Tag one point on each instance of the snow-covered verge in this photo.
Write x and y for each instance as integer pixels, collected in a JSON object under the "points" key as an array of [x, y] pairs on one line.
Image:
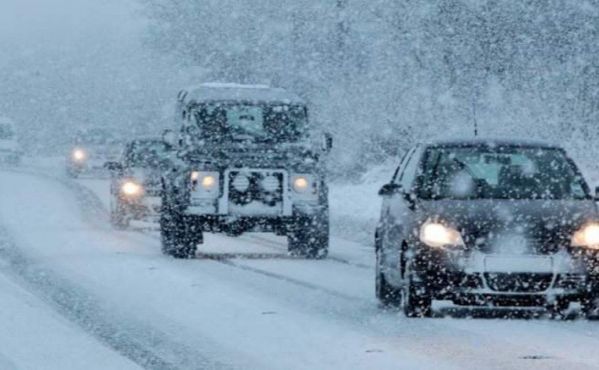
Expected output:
{"points": [[355, 207]]}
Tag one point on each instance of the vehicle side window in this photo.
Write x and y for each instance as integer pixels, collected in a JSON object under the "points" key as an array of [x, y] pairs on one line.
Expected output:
{"points": [[408, 175], [402, 165]]}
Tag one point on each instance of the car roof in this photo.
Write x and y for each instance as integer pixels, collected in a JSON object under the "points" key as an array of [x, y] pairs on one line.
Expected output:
{"points": [[145, 140], [216, 91], [491, 142]]}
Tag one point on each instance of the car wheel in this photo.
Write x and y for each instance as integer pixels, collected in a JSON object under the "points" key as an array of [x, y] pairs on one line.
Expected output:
{"points": [[558, 310], [72, 172], [310, 238], [417, 302], [590, 307], [177, 239], [118, 217], [387, 295]]}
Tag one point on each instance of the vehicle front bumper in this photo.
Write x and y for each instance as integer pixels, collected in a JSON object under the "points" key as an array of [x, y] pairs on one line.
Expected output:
{"points": [[524, 280]]}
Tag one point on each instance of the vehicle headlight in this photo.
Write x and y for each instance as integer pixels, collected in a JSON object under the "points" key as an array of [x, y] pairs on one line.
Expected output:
{"points": [[79, 155], [437, 235], [204, 183], [587, 236], [131, 189], [303, 184]]}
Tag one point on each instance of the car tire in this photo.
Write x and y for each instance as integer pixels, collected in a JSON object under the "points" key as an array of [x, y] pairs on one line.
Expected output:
{"points": [[590, 307], [558, 310], [73, 173], [387, 295], [178, 240], [310, 238], [118, 218], [417, 302]]}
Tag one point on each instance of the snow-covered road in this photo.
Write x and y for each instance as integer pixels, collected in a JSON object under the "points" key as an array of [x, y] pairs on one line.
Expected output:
{"points": [[241, 304]]}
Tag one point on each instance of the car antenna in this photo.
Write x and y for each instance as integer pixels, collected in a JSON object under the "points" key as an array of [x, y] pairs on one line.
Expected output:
{"points": [[474, 116]]}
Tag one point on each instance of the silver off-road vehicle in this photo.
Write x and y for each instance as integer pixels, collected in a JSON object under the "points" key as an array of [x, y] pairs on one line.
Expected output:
{"points": [[246, 161]]}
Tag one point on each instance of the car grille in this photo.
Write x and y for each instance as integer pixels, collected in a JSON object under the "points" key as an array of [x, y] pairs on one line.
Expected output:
{"points": [[258, 186], [518, 282]]}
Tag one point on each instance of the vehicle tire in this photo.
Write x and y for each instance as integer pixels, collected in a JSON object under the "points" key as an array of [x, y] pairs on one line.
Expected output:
{"points": [[558, 310], [590, 307], [310, 238], [178, 240], [118, 217], [417, 302], [72, 172], [387, 295]]}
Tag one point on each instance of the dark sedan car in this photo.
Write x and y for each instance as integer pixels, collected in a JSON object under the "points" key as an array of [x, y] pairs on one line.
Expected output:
{"points": [[493, 223], [135, 182]]}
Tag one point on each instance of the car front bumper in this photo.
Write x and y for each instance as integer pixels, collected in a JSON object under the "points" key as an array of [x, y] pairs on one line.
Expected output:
{"points": [[475, 277]]}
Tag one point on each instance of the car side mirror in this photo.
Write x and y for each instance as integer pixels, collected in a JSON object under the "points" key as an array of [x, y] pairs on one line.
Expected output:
{"points": [[389, 189], [113, 166], [169, 138], [327, 142]]}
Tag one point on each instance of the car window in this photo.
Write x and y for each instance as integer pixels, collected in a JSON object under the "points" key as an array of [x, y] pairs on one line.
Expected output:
{"points": [[501, 173], [407, 176], [402, 164]]}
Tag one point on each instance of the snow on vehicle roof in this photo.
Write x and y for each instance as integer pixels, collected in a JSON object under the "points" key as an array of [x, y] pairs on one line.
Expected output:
{"points": [[492, 142], [218, 91]]}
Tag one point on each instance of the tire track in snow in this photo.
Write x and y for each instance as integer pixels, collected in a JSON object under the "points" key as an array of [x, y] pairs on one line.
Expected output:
{"points": [[138, 341]]}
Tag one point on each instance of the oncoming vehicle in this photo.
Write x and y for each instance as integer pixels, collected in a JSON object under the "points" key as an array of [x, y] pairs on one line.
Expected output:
{"points": [[10, 150], [91, 149], [500, 223], [135, 182], [247, 162]]}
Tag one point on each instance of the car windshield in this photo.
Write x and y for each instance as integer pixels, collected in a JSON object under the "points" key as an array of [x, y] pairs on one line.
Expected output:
{"points": [[145, 153], [6, 132], [500, 173], [250, 122]]}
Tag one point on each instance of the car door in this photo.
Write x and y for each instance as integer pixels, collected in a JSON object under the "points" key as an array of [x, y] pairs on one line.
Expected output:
{"points": [[399, 209]]}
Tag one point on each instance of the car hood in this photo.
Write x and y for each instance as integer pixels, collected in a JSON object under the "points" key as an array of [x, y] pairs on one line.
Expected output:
{"points": [[513, 226]]}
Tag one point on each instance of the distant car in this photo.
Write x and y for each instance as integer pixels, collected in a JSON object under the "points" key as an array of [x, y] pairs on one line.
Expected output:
{"points": [[10, 150], [135, 182], [502, 223], [90, 150]]}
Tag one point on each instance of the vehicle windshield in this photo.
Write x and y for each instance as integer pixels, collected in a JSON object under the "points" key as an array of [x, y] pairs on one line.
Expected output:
{"points": [[250, 122], [6, 132], [500, 173], [145, 154]]}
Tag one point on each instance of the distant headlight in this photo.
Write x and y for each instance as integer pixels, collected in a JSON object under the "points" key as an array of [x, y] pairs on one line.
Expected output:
{"points": [[587, 236], [131, 189], [438, 235], [79, 155]]}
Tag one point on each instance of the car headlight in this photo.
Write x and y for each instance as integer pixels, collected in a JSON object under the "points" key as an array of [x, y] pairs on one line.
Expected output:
{"points": [[79, 155], [204, 183], [437, 235], [303, 184], [587, 236], [131, 189]]}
